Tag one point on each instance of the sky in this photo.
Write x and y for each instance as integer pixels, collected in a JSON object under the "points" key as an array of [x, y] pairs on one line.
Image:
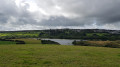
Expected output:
{"points": [[57, 14]]}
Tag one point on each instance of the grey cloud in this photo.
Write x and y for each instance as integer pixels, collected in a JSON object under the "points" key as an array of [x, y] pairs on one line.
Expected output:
{"points": [[63, 21], [105, 12], [59, 13]]}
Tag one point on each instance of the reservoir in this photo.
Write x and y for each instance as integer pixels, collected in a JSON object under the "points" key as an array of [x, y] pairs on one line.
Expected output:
{"points": [[63, 41]]}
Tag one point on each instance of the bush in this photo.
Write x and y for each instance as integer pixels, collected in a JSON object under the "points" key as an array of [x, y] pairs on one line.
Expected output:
{"points": [[118, 41], [74, 42], [81, 43], [19, 42], [48, 42], [113, 45]]}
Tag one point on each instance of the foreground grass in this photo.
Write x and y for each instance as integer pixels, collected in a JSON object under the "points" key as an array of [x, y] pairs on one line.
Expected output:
{"points": [[58, 56]]}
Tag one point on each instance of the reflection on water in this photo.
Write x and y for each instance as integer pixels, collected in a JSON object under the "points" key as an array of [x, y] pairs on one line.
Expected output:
{"points": [[63, 41]]}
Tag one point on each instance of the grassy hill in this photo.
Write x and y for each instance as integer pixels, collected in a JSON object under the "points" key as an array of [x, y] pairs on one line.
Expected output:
{"points": [[86, 34], [39, 55]]}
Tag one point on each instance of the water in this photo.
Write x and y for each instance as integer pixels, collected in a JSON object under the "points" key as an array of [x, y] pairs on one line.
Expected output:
{"points": [[63, 41]]}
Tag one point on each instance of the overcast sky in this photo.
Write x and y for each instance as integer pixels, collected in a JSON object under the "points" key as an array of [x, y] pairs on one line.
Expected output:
{"points": [[52, 14]]}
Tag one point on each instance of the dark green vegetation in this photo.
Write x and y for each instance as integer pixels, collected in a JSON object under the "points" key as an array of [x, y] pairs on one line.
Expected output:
{"points": [[113, 44], [29, 41], [87, 34], [58, 56], [49, 42], [36, 41], [7, 42]]}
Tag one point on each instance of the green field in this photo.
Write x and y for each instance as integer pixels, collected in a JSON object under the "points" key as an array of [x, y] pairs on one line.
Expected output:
{"points": [[7, 42], [99, 34], [38, 55], [30, 41], [7, 35], [112, 44]]}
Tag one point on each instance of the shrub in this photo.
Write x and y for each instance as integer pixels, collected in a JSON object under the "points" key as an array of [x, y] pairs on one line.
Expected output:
{"points": [[48, 42], [113, 45], [74, 42], [82, 43], [118, 41], [19, 42]]}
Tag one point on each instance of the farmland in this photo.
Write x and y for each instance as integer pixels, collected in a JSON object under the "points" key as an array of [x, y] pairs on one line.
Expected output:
{"points": [[8, 35]]}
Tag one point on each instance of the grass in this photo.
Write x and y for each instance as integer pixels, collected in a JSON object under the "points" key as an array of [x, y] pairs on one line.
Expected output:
{"points": [[20, 34], [30, 41], [101, 43], [7, 42], [112, 44], [99, 34], [58, 56]]}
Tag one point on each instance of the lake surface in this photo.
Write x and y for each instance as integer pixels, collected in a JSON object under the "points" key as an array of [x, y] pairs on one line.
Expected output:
{"points": [[63, 41]]}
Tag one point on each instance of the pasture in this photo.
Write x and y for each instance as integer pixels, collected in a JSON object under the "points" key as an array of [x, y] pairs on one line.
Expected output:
{"points": [[29, 41], [38, 55]]}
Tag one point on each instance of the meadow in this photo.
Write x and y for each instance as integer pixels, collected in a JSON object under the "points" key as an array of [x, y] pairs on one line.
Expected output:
{"points": [[7, 42], [112, 44], [29, 41], [39, 55]]}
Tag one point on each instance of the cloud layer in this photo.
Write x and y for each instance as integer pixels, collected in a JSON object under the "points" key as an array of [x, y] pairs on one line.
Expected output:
{"points": [[47, 14]]}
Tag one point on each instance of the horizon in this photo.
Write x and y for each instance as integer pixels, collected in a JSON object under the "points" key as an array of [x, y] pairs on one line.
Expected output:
{"points": [[55, 29], [57, 14]]}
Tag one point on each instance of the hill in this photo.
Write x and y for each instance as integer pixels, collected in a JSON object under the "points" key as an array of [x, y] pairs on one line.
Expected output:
{"points": [[86, 34]]}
